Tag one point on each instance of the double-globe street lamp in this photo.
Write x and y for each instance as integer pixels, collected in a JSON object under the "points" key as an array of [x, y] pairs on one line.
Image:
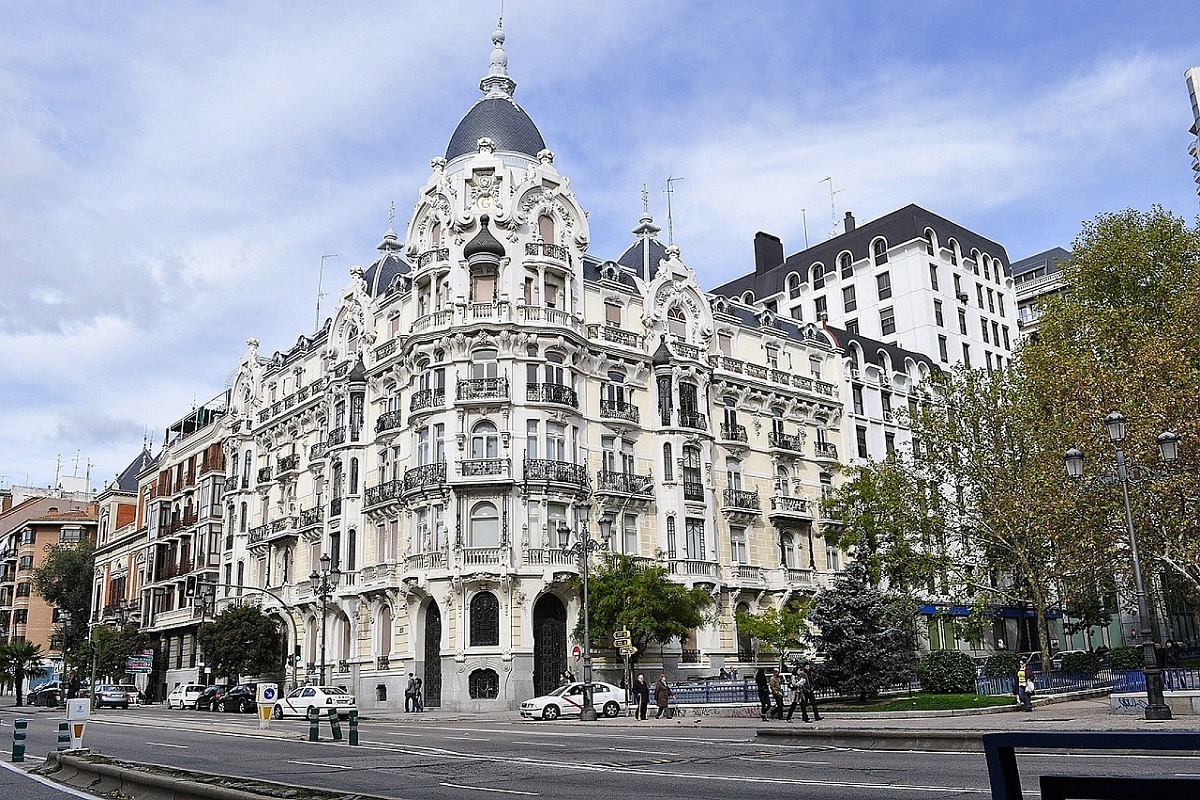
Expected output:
{"points": [[323, 584], [582, 550], [1124, 474]]}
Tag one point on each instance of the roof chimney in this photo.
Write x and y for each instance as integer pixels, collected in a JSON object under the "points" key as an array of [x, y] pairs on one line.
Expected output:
{"points": [[848, 225], [768, 251]]}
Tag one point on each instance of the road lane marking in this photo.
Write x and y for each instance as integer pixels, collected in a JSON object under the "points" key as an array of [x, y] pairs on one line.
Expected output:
{"points": [[319, 764], [642, 752], [541, 744], [467, 738], [785, 761], [487, 789], [165, 744]]}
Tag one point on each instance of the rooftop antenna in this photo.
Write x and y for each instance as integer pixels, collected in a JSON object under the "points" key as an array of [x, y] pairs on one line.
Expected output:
{"points": [[321, 278], [832, 209], [75, 471], [804, 219], [670, 220]]}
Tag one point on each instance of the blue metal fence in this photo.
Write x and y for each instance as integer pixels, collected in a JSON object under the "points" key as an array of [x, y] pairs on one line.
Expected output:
{"points": [[1118, 681]]}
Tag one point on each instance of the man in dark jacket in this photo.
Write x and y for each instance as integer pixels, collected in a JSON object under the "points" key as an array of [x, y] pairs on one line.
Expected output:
{"points": [[662, 697], [641, 695]]}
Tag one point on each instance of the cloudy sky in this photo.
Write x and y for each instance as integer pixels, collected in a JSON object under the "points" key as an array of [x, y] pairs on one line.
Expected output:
{"points": [[172, 172]]}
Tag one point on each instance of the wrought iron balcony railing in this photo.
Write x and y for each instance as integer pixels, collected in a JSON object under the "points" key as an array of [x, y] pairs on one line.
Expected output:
{"points": [[740, 498], [624, 483], [552, 393], [693, 419], [427, 398], [734, 433], [783, 441], [388, 421], [542, 469], [424, 476], [482, 389], [616, 409]]}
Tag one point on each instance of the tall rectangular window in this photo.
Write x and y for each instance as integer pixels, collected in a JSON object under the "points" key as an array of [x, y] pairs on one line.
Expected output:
{"points": [[942, 354], [737, 546], [629, 534], [933, 280], [820, 305], [962, 322], [859, 407], [983, 330], [883, 281], [991, 301], [887, 322], [966, 355], [860, 435], [937, 314], [848, 300], [694, 532]]}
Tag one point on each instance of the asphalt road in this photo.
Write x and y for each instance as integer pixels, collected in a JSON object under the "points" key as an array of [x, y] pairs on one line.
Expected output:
{"points": [[433, 760]]}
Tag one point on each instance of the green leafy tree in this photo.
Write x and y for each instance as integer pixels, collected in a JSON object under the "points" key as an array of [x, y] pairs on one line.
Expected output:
{"points": [[780, 630], [866, 635], [114, 646], [22, 658], [241, 640], [630, 594], [947, 672], [64, 580], [1124, 339]]}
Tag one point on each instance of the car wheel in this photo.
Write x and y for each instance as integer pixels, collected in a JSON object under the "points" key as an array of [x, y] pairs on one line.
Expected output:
{"points": [[277, 712], [550, 712], [243, 707], [611, 709]]}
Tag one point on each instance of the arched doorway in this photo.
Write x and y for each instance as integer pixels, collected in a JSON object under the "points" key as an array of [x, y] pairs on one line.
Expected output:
{"points": [[549, 643], [432, 685]]}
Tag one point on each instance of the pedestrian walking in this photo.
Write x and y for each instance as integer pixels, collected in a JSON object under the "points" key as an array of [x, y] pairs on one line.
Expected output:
{"points": [[410, 691], [418, 704], [776, 687], [641, 695], [808, 693], [764, 693], [662, 697], [1023, 685]]}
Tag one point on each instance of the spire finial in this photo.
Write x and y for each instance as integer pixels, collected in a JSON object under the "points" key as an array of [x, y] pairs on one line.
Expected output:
{"points": [[497, 83], [645, 201], [392, 216]]}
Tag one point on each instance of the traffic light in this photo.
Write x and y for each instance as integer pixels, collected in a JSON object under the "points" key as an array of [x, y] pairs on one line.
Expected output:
{"points": [[190, 588], [621, 638]]}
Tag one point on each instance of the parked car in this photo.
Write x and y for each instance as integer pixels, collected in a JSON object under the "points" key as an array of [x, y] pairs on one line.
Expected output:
{"points": [[113, 695], [45, 694], [133, 693], [184, 695], [242, 698], [210, 698], [567, 701], [301, 700]]}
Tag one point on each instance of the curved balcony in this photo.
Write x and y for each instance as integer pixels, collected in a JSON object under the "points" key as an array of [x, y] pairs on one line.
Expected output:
{"points": [[693, 491], [484, 468], [826, 451], [552, 393], [473, 389], [543, 470], [693, 419], [734, 433], [436, 319], [796, 508], [388, 422], [287, 464], [231, 484], [616, 409], [383, 494], [310, 517], [427, 399], [264, 474], [424, 478], [554, 252], [625, 483], [782, 441], [336, 437], [611, 333], [271, 531], [741, 499], [435, 255]]}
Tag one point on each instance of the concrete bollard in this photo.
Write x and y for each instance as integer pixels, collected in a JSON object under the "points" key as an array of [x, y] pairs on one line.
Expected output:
{"points": [[18, 751], [335, 725], [314, 724], [354, 727], [64, 736]]}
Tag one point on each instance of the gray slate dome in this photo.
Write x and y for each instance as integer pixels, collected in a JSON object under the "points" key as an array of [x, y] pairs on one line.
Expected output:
{"points": [[635, 258], [501, 120]]}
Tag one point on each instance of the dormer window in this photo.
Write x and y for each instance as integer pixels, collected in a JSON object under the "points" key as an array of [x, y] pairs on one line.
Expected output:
{"points": [[846, 265], [677, 322], [793, 285], [879, 251], [546, 228]]}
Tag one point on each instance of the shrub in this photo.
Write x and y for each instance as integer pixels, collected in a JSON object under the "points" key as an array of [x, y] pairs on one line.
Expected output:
{"points": [[947, 672], [1001, 665], [1125, 658], [1081, 664]]}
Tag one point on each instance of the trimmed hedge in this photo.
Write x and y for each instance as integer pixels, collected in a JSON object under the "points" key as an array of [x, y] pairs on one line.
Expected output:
{"points": [[1124, 659], [1081, 664], [947, 672], [1001, 665]]}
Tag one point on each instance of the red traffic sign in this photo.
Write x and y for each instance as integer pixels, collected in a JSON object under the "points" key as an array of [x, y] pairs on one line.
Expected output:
{"points": [[576, 652]]}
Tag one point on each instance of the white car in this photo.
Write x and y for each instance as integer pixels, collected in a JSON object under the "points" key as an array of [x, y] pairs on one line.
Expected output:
{"points": [[567, 701], [184, 695], [322, 698]]}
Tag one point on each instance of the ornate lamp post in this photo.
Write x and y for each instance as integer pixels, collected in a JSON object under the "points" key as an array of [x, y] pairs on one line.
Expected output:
{"points": [[208, 599], [1124, 474], [121, 610], [64, 624], [323, 584], [582, 549]]}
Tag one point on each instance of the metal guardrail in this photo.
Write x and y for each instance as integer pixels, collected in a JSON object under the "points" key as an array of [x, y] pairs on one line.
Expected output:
{"points": [[1117, 680]]}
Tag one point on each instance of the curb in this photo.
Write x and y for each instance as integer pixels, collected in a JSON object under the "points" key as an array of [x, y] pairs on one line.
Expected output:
{"points": [[945, 741], [78, 770]]}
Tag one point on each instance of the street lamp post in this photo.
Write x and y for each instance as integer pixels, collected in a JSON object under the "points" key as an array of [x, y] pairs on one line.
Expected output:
{"points": [[123, 607], [64, 624], [1124, 474], [208, 599], [323, 584], [582, 549]]}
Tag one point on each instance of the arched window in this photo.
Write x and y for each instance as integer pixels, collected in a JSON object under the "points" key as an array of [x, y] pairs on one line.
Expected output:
{"points": [[748, 298], [930, 242], [435, 237], [846, 265], [787, 553], [385, 630], [352, 340], [953, 245], [691, 466], [484, 525], [793, 285], [677, 322], [879, 251], [546, 228], [613, 392], [734, 468], [246, 470], [782, 482], [483, 684], [555, 372], [354, 476], [485, 441], [668, 463], [817, 271], [485, 620]]}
